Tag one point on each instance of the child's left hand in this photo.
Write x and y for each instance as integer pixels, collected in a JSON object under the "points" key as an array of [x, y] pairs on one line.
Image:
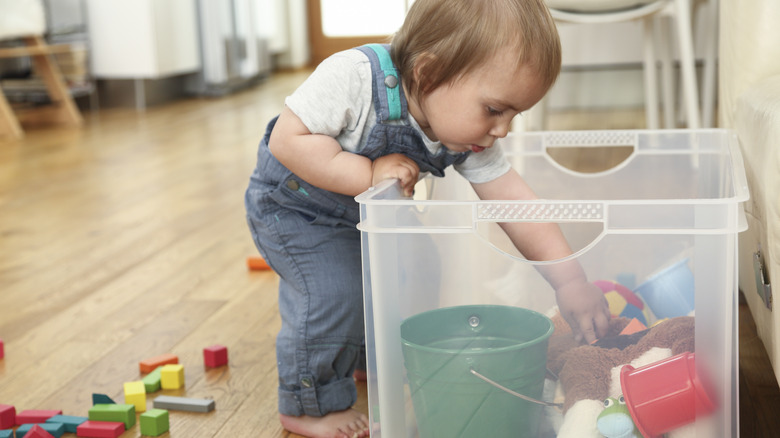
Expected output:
{"points": [[583, 306]]}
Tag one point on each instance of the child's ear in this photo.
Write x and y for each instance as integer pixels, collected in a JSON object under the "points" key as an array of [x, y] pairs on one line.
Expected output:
{"points": [[423, 65]]}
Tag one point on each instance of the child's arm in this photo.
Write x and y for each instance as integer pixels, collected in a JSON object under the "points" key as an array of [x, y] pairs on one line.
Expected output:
{"points": [[581, 303], [320, 161]]}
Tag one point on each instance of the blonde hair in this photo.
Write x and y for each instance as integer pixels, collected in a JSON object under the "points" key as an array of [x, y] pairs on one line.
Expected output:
{"points": [[446, 39]]}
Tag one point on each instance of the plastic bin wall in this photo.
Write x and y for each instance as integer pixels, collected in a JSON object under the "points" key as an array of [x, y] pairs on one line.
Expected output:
{"points": [[677, 198]]}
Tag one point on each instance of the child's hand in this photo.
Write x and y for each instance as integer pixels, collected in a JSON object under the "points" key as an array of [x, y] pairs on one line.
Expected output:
{"points": [[396, 166], [584, 307]]}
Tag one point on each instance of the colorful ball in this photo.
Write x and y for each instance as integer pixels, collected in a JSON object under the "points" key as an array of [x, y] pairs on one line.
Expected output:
{"points": [[623, 302]]}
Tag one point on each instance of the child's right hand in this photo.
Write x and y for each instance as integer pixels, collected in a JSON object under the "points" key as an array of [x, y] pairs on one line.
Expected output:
{"points": [[397, 166]]}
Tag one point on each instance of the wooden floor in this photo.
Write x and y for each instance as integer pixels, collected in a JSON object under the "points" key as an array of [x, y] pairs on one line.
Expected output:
{"points": [[126, 239]]}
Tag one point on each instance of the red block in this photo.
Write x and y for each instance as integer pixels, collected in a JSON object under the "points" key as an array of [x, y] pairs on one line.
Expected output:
{"points": [[2, 349], [215, 356], [38, 432], [149, 365], [32, 416], [7, 416], [100, 429]]}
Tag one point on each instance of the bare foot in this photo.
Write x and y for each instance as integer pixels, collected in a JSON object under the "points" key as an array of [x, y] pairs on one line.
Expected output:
{"points": [[360, 375], [343, 424]]}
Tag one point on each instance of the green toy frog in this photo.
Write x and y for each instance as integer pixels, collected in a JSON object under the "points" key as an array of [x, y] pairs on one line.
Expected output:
{"points": [[615, 420]]}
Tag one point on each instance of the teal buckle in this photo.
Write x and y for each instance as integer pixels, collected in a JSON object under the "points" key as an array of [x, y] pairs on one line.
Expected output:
{"points": [[392, 82]]}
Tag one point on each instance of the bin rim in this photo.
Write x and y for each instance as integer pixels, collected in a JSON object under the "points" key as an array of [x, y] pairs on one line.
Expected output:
{"points": [[389, 191]]}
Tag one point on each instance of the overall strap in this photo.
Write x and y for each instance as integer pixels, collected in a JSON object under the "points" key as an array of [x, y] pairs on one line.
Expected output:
{"points": [[390, 102]]}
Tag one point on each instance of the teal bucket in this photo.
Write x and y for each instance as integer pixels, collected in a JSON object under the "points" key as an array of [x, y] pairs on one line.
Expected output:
{"points": [[505, 344]]}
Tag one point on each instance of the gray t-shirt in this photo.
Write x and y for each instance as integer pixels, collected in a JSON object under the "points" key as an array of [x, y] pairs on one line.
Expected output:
{"points": [[336, 100]]}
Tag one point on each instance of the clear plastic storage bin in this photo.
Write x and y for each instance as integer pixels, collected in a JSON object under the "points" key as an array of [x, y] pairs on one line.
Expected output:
{"points": [[670, 211]]}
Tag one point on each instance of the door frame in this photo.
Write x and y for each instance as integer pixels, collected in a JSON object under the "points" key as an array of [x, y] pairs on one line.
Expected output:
{"points": [[323, 46]]}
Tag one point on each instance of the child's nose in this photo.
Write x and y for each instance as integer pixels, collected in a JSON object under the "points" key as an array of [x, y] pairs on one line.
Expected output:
{"points": [[501, 129]]}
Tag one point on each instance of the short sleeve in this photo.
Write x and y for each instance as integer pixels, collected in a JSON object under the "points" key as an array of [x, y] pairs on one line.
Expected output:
{"points": [[334, 97], [484, 166]]}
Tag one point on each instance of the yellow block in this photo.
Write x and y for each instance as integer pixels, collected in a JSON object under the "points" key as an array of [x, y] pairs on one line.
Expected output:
{"points": [[135, 394], [172, 376]]}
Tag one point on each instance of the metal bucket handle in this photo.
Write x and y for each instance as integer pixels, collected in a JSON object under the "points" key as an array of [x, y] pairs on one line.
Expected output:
{"points": [[516, 394]]}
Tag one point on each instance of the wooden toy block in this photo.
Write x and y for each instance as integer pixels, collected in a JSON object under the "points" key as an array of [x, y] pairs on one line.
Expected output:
{"points": [[100, 429], [116, 412], [148, 365], [41, 430], [184, 403], [33, 416], [135, 394], [255, 263], [2, 349], [68, 421], [7, 433], [7, 416], [215, 356], [102, 399], [154, 422], [152, 381], [172, 376], [633, 326], [34, 432]]}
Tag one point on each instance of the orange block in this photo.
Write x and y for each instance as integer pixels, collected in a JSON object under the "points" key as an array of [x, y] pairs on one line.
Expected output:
{"points": [[149, 365], [255, 263], [633, 326]]}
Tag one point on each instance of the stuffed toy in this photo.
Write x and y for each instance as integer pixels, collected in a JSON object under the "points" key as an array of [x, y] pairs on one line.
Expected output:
{"points": [[615, 420], [588, 375]]}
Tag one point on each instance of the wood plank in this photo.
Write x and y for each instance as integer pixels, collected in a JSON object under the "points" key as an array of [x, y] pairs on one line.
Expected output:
{"points": [[70, 373], [49, 71], [22, 51], [759, 395], [63, 108], [9, 125]]}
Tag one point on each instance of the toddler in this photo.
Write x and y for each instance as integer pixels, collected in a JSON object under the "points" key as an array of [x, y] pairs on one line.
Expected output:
{"points": [[449, 85]]}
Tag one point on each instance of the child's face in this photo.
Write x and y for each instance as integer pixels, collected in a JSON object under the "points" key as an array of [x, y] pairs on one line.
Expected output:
{"points": [[476, 109]]}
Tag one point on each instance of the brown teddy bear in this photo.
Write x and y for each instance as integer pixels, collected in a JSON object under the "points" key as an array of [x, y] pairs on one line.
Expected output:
{"points": [[588, 374]]}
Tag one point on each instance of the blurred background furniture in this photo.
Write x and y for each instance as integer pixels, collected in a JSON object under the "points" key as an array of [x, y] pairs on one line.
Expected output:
{"points": [[234, 47], [142, 40], [22, 25], [750, 104], [656, 38]]}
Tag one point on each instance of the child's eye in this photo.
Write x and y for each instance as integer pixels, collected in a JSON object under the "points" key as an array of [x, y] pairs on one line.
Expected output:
{"points": [[494, 112]]}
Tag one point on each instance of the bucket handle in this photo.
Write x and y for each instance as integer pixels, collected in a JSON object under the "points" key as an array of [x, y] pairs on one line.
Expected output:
{"points": [[516, 394]]}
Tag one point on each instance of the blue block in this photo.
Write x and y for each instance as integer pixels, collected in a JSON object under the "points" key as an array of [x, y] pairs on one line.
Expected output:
{"points": [[102, 399], [7, 433], [70, 422], [56, 429]]}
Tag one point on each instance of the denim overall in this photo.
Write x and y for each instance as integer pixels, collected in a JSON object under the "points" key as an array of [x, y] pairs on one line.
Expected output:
{"points": [[308, 236]]}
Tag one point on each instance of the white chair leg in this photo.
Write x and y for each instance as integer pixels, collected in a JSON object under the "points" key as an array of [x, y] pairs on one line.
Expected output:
{"points": [[709, 88], [687, 62], [651, 87], [667, 77]]}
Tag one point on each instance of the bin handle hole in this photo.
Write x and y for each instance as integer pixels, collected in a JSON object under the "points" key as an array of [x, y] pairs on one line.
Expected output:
{"points": [[590, 159]]}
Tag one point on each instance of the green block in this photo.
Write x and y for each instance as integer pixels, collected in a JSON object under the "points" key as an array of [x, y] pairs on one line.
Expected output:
{"points": [[117, 412], [154, 422], [152, 381], [7, 433]]}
